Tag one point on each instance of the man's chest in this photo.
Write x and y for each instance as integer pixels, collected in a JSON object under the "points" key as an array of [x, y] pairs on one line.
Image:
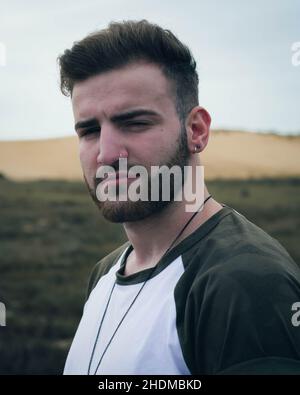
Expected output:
{"points": [[130, 334]]}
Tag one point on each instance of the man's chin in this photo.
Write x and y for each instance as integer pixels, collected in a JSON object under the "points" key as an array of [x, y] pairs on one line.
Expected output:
{"points": [[121, 212]]}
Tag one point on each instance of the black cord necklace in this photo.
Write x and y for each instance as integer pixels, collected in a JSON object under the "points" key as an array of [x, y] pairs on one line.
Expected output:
{"points": [[140, 290]]}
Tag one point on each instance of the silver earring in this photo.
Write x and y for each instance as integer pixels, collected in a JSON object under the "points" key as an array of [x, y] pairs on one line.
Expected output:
{"points": [[197, 147]]}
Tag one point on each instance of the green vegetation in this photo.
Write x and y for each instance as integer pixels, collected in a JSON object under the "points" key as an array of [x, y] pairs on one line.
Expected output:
{"points": [[51, 235]]}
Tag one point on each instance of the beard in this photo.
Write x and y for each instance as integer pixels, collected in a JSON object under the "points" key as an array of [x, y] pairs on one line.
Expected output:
{"points": [[130, 211]]}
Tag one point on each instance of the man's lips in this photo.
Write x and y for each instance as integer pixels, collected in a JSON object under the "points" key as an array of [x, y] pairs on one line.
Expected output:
{"points": [[118, 177]]}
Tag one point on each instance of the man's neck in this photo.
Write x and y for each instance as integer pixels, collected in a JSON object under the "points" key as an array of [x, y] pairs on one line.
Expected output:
{"points": [[152, 236]]}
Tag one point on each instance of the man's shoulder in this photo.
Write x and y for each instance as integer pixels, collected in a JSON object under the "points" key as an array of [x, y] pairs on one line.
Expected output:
{"points": [[238, 287], [238, 249], [104, 265], [242, 275]]}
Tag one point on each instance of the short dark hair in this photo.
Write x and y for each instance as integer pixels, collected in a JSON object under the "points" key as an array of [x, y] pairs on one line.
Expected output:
{"points": [[129, 41]]}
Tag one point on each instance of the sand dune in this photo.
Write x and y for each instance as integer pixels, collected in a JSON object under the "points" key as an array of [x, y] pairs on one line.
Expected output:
{"points": [[229, 154]]}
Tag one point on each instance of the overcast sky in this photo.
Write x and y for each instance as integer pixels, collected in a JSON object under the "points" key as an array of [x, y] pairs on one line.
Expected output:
{"points": [[242, 48]]}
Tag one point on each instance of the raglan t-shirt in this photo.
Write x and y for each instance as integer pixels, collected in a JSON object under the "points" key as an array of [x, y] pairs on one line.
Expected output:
{"points": [[220, 302]]}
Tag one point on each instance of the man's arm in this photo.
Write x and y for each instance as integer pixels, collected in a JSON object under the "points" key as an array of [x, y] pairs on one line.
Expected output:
{"points": [[238, 318]]}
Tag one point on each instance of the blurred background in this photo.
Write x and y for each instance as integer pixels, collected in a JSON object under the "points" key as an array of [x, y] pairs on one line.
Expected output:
{"points": [[51, 235]]}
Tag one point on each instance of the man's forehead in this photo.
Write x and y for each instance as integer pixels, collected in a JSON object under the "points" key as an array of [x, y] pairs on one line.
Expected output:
{"points": [[141, 85], [146, 79]]}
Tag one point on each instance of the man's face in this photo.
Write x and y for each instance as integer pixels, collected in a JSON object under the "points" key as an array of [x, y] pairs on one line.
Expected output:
{"points": [[128, 111]]}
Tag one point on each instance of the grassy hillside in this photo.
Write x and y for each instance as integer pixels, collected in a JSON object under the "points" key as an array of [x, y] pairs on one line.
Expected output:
{"points": [[51, 235]]}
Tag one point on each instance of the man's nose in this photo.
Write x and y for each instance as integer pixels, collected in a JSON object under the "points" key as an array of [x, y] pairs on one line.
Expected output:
{"points": [[111, 146]]}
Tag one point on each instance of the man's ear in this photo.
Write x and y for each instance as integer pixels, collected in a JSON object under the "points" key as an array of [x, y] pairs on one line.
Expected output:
{"points": [[197, 127]]}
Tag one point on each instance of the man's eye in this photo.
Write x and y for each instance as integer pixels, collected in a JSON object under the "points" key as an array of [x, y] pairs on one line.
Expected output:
{"points": [[90, 132], [137, 124]]}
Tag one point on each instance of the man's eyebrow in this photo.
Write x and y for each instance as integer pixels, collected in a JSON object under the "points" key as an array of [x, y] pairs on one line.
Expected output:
{"points": [[85, 124], [117, 118], [132, 114]]}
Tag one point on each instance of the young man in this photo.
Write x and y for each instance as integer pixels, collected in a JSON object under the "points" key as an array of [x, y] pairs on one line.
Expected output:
{"points": [[189, 293]]}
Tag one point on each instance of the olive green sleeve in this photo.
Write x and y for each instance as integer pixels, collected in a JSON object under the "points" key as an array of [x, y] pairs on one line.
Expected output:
{"points": [[236, 318]]}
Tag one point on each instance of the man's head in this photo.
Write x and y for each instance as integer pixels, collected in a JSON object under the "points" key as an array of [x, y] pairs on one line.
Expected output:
{"points": [[134, 92], [126, 42]]}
